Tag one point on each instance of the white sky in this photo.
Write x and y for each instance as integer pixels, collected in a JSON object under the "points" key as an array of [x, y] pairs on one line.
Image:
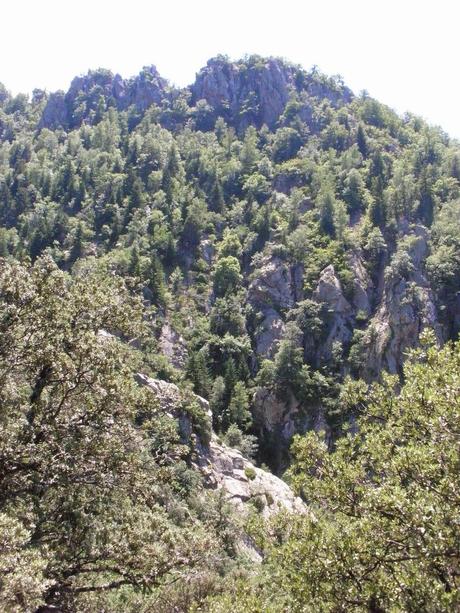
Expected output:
{"points": [[403, 52]]}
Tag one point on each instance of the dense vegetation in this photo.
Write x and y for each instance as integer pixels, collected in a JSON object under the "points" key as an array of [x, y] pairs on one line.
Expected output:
{"points": [[273, 243], [383, 531]]}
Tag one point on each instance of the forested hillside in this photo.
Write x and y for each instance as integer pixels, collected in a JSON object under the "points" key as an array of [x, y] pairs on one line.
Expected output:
{"points": [[273, 245]]}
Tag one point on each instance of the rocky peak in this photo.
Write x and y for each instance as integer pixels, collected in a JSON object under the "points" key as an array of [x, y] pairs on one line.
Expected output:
{"points": [[254, 91], [251, 92], [144, 90], [83, 100]]}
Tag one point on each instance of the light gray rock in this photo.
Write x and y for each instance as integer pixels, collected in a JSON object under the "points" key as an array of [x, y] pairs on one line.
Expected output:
{"points": [[223, 467], [274, 288], [269, 333], [362, 284], [329, 292], [273, 413], [173, 346], [271, 285], [243, 481], [406, 308]]}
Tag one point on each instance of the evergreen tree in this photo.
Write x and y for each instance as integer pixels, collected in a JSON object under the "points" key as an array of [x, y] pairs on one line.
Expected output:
{"points": [[134, 267], [197, 372], [216, 197], [77, 247], [156, 280], [326, 202], [376, 212], [217, 402], [238, 409], [361, 140]]}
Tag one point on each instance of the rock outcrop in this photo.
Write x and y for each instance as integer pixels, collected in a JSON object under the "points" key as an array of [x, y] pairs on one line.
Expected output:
{"points": [[256, 91], [274, 289], [363, 287], [407, 307], [221, 466], [173, 346], [244, 483], [55, 113], [242, 94], [91, 94], [340, 312]]}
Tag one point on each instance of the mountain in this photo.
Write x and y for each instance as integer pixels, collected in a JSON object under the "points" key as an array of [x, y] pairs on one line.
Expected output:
{"points": [[287, 242]]}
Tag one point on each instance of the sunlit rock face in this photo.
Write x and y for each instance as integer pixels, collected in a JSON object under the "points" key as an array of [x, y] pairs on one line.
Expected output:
{"points": [[223, 467], [255, 92]]}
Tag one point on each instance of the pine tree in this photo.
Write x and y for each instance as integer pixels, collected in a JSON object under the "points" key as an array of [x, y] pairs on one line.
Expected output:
{"points": [[238, 409], [326, 212], [376, 212], [156, 280], [216, 198], [361, 140], [197, 373], [230, 376], [426, 206], [77, 247], [134, 267], [217, 402]]}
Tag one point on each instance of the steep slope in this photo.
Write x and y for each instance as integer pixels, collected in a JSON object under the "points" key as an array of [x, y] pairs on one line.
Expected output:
{"points": [[285, 234]]}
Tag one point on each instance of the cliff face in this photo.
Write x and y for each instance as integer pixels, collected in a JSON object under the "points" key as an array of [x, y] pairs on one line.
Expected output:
{"points": [[245, 96], [379, 320], [274, 289], [407, 306]]}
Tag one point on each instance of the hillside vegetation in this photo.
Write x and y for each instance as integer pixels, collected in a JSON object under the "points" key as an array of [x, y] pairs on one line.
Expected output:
{"points": [[277, 247]]}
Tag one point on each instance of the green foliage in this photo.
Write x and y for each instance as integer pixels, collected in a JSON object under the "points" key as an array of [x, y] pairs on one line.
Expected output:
{"points": [[250, 473], [246, 443], [381, 533], [223, 226], [238, 408], [227, 276], [326, 205], [81, 508], [197, 373]]}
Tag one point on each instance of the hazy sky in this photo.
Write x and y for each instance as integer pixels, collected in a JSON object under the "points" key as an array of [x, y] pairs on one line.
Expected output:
{"points": [[403, 52]]}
